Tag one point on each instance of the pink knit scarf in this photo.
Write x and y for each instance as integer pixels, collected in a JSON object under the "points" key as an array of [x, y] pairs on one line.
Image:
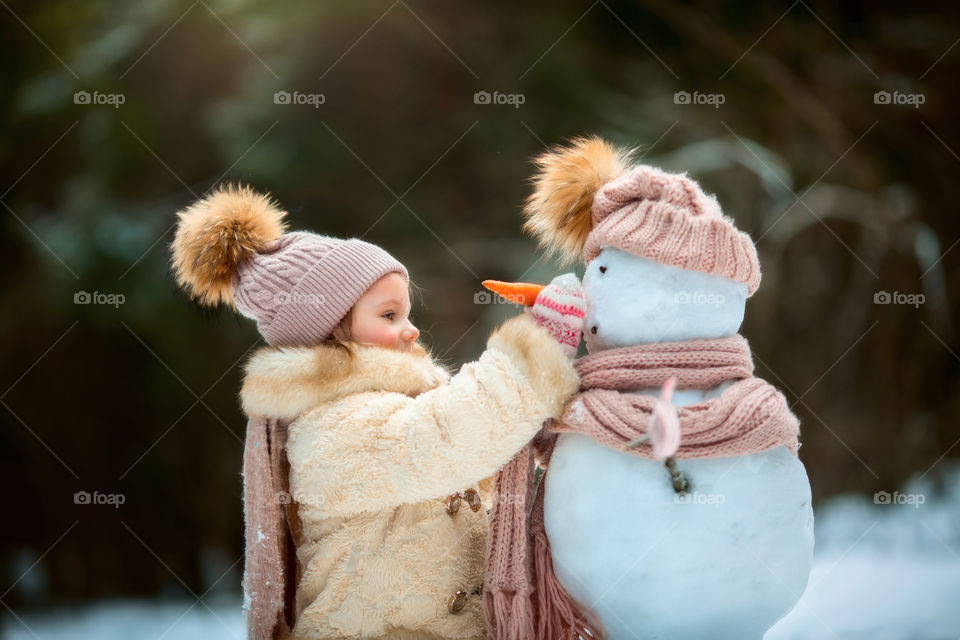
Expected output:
{"points": [[522, 597]]}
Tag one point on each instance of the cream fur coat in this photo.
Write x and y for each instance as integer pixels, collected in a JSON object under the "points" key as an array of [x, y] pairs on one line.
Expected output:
{"points": [[375, 444]]}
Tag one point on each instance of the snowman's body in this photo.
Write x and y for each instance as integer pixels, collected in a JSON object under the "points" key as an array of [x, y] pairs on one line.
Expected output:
{"points": [[727, 560]]}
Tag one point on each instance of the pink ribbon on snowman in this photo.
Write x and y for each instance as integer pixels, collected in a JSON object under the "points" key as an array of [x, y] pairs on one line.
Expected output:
{"points": [[663, 432], [664, 426]]}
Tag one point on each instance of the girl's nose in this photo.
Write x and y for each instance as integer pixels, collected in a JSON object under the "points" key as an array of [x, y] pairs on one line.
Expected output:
{"points": [[411, 333]]}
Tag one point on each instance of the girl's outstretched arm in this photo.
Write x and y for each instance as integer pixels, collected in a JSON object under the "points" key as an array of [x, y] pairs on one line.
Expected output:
{"points": [[370, 451]]}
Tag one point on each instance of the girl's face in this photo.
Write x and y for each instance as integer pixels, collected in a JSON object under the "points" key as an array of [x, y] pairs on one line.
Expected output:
{"points": [[381, 315]]}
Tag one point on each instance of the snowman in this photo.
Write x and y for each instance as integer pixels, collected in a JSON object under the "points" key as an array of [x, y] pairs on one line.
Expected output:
{"points": [[716, 540]]}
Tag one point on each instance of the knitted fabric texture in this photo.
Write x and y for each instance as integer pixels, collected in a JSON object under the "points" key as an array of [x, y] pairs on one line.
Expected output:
{"points": [[667, 218], [271, 569], [560, 310], [299, 286], [748, 417], [507, 587]]}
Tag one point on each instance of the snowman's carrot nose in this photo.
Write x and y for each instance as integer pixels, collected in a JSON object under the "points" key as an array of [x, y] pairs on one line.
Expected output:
{"points": [[519, 292]]}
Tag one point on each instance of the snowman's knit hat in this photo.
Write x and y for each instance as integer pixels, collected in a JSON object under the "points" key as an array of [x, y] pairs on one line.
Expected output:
{"points": [[230, 248], [666, 217], [585, 198]]}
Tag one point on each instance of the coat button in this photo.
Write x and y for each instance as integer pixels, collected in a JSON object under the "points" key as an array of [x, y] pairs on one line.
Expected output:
{"points": [[453, 503], [472, 498], [457, 602]]}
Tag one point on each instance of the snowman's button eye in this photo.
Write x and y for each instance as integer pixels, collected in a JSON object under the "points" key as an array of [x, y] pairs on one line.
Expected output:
{"points": [[603, 269], [593, 330]]}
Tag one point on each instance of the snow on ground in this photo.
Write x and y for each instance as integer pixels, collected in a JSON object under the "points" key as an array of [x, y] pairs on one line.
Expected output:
{"points": [[884, 571], [888, 571], [133, 620]]}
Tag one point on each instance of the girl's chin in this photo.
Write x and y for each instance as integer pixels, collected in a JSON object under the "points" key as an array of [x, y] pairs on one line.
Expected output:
{"points": [[401, 345], [406, 347]]}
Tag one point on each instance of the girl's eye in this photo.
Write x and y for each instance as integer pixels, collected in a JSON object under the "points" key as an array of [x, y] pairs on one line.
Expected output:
{"points": [[389, 315]]}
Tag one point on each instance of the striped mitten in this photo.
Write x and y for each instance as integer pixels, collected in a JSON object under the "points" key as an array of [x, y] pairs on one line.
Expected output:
{"points": [[560, 308]]}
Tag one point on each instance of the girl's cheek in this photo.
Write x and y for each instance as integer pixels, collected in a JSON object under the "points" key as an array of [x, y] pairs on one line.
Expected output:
{"points": [[388, 335]]}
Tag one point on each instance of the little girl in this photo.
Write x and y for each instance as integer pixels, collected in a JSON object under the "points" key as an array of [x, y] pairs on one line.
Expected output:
{"points": [[367, 466]]}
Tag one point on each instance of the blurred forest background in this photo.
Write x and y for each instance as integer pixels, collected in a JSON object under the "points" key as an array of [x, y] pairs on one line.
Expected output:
{"points": [[363, 119]]}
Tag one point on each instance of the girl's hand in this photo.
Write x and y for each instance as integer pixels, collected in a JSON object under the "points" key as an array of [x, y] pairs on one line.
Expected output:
{"points": [[560, 308]]}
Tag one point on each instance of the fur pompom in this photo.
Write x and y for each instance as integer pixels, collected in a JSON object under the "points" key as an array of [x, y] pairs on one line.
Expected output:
{"points": [[558, 211], [215, 234]]}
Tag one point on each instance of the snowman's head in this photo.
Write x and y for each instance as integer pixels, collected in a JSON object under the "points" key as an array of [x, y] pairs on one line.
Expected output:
{"points": [[633, 300]]}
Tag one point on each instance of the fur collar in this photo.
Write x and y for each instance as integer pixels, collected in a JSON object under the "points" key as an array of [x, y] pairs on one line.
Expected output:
{"points": [[284, 382]]}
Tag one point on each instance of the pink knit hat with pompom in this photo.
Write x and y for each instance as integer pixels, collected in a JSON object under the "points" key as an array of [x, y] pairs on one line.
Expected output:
{"points": [[585, 197], [230, 248]]}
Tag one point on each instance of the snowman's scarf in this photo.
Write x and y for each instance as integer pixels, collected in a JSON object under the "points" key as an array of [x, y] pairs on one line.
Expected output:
{"points": [[748, 417]]}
